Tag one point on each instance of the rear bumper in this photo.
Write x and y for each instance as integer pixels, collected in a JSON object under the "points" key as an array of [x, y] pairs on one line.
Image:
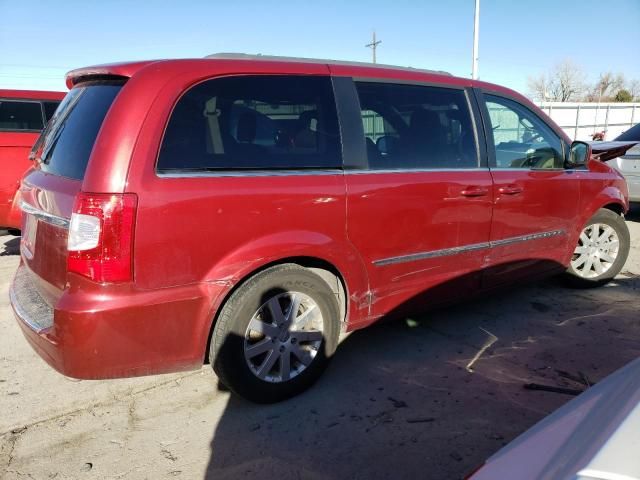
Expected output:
{"points": [[28, 305], [115, 332]]}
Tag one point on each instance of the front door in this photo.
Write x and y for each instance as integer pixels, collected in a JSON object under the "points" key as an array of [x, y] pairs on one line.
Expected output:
{"points": [[535, 198]]}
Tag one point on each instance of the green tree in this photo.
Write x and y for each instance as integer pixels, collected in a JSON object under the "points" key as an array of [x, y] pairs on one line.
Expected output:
{"points": [[623, 96]]}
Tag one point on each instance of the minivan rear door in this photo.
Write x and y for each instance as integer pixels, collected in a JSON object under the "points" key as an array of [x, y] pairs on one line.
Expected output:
{"points": [[48, 191]]}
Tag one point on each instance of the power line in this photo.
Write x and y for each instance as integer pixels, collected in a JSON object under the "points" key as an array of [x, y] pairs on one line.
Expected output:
{"points": [[14, 65], [25, 75]]}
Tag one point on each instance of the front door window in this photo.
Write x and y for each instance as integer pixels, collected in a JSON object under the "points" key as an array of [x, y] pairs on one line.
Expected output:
{"points": [[521, 139]]}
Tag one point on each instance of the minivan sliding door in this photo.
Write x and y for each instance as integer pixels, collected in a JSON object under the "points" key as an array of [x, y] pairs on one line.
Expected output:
{"points": [[419, 209]]}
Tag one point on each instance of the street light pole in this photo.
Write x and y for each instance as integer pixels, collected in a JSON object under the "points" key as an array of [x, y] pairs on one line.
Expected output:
{"points": [[476, 28]]}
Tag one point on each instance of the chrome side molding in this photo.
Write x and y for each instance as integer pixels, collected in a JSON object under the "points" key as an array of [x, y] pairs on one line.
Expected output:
{"points": [[432, 254], [44, 216], [526, 238], [465, 248]]}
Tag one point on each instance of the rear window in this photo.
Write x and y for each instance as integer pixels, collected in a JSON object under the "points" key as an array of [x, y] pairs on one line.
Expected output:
{"points": [[69, 137], [20, 116], [253, 123]]}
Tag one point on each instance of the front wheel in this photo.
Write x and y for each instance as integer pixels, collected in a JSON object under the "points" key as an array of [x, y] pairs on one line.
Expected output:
{"points": [[275, 335], [602, 250]]}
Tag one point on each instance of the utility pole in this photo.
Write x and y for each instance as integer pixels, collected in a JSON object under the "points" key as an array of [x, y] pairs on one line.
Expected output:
{"points": [[373, 45], [595, 126], [476, 28]]}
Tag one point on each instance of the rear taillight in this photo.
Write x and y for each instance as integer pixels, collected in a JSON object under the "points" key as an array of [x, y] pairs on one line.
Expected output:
{"points": [[101, 236]]}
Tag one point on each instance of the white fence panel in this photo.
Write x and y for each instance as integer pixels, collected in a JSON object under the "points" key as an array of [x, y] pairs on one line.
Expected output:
{"points": [[581, 120]]}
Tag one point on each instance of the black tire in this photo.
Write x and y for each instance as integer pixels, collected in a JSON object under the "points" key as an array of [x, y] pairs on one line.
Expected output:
{"points": [[615, 221], [228, 340]]}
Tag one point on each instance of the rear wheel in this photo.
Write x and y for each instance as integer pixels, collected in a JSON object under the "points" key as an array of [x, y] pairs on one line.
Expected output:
{"points": [[602, 250], [275, 334]]}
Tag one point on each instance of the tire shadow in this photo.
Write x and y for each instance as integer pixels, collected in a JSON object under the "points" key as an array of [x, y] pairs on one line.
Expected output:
{"points": [[434, 395], [634, 213]]}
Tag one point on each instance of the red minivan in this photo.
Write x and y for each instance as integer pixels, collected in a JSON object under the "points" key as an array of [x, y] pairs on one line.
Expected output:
{"points": [[246, 211], [23, 115]]}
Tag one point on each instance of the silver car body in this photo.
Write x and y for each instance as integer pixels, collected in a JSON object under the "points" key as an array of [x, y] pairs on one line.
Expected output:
{"points": [[596, 436], [629, 166]]}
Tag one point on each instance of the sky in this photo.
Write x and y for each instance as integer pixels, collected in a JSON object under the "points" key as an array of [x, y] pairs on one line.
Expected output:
{"points": [[41, 40]]}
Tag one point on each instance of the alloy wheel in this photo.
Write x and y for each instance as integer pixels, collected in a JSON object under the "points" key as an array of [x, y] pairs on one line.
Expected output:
{"points": [[283, 337], [596, 252]]}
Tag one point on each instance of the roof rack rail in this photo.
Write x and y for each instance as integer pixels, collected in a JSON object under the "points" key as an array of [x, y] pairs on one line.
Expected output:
{"points": [[276, 58]]}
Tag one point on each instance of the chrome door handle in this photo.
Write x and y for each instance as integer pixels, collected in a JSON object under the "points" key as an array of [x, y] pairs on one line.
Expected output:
{"points": [[474, 191], [510, 190]]}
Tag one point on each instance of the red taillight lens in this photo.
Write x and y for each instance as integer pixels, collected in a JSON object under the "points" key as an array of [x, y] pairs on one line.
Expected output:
{"points": [[101, 236]]}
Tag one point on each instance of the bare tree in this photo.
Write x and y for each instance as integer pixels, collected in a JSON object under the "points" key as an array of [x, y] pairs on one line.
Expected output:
{"points": [[567, 81], [606, 88], [564, 83], [538, 87]]}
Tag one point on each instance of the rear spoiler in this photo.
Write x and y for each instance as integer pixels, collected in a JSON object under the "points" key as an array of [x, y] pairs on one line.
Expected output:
{"points": [[604, 151], [121, 71]]}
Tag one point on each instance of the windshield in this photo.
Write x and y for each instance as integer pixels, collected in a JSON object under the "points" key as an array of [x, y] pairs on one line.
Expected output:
{"points": [[65, 145]]}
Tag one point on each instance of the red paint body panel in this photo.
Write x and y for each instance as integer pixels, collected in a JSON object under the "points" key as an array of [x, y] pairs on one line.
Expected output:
{"points": [[109, 332], [531, 211], [14, 157], [31, 95], [397, 214], [198, 237]]}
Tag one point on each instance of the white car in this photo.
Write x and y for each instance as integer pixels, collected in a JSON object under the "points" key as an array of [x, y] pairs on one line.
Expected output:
{"points": [[629, 164], [596, 436]]}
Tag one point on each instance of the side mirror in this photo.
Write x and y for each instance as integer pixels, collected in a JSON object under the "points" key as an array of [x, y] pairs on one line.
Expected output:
{"points": [[579, 154]]}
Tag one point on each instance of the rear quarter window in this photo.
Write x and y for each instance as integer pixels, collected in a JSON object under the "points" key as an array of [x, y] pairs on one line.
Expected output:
{"points": [[253, 123], [18, 115], [69, 137]]}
